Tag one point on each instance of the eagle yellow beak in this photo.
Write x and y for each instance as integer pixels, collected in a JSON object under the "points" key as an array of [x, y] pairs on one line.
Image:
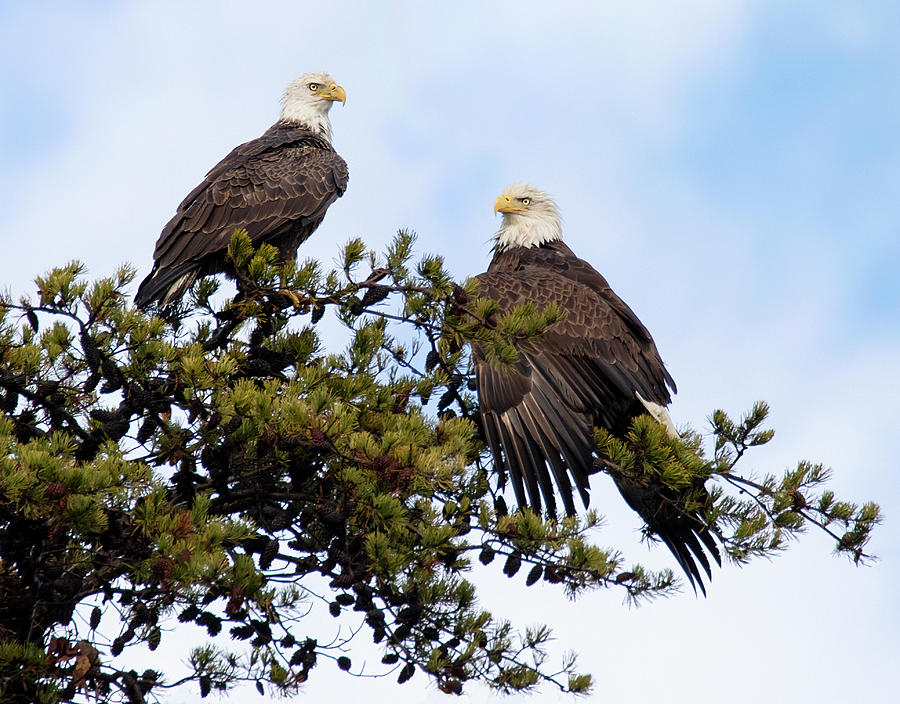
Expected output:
{"points": [[506, 204], [334, 92]]}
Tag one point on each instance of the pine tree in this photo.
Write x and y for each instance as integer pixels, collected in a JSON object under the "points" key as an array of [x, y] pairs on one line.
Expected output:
{"points": [[213, 463]]}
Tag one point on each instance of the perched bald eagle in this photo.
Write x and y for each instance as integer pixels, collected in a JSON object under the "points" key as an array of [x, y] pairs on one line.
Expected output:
{"points": [[598, 366], [277, 187]]}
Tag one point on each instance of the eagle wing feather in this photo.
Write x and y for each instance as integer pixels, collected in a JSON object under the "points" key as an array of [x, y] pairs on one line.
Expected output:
{"points": [[539, 413], [276, 187]]}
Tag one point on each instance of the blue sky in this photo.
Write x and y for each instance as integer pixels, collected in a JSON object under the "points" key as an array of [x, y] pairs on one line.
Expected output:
{"points": [[732, 168]]}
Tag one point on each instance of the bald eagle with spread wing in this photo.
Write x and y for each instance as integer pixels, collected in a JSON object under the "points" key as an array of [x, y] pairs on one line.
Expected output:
{"points": [[598, 366], [276, 187]]}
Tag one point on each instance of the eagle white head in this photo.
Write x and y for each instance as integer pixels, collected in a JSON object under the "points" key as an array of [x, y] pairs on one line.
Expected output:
{"points": [[308, 100], [530, 217]]}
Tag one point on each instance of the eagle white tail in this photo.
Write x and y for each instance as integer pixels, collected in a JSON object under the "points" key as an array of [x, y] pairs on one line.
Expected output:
{"points": [[660, 413]]}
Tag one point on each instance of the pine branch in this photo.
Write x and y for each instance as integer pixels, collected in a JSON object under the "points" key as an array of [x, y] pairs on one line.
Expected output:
{"points": [[210, 460]]}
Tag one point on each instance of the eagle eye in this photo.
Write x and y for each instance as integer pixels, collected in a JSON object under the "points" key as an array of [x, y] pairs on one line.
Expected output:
{"points": [[313, 87], [526, 201]]}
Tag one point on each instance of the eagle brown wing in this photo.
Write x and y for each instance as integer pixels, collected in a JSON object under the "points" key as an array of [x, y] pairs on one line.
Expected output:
{"points": [[276, 187], [555, 256], [538, 416], [584, 370]]}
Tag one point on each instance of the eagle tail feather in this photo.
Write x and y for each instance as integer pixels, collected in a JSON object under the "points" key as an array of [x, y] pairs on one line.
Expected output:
{"points": [[165, 286], [660, 414], [684, 533]]}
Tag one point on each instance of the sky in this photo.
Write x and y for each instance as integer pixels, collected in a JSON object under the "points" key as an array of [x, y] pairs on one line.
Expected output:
{"points": [[731, 168]]}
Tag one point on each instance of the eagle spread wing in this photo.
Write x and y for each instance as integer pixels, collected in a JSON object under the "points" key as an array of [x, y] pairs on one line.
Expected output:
{"points": [[586, 370]]}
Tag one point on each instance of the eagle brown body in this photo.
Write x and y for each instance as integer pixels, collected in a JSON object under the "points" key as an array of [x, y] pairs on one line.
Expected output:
{"points": [[586, 370], [276, 187]]}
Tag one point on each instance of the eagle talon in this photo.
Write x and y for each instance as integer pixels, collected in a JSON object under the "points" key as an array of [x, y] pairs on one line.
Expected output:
{"points": [[294, 298]]}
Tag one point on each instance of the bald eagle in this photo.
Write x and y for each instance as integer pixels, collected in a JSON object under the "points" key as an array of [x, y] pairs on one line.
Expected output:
{"points": [[277, 187], [598, 366]]}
